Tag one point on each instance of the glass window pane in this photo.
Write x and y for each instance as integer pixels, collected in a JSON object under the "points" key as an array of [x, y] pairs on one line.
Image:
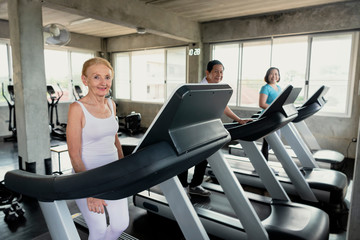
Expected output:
{"points": [[330, 61], [148, 75], [77, 61], [228, 54], [175, 69], [255, 62], [289, 55], [122, 75], [4, 70], [57, 72]]}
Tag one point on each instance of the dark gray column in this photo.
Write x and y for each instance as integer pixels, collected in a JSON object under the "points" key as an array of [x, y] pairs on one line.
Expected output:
{"points": [[25, 20], [195, 71], [354, 216]]}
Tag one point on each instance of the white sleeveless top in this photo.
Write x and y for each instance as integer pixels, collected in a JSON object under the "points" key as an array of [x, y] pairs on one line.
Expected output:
{"points": [[98, 139]]}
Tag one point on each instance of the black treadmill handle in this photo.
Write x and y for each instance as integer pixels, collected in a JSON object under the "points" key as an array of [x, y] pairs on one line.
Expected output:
{"points": [[231, 125], [307, 111], [134, 173], [261, 127]]}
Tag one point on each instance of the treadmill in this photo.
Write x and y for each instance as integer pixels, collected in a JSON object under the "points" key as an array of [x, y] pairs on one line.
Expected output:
{"points": [[261, 217], [333, 158], [324, 188], [163, 153], [306, 146]]}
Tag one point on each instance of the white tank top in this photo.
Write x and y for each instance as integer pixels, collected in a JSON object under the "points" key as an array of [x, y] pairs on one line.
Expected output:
{"points": [[98, 139]]}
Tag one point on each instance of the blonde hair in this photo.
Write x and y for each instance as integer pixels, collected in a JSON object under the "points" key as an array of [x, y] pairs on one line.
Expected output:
{"points": [[96, 60]]}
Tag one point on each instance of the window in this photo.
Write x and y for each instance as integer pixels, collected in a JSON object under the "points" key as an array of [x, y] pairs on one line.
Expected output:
{"points": [[256, 56], [330, 66], [149, 75], [122, 75], [229, 53], [303, 62], [63, 70], [292, 66], [77, 60], [4, 70], [57, 72], [175, 69]]}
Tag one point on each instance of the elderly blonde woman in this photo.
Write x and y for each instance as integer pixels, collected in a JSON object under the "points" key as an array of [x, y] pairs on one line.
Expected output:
{"points": [[93, 142]]}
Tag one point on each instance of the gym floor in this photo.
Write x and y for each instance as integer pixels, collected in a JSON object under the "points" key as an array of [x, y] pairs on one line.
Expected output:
{"points": [[142, 225]]}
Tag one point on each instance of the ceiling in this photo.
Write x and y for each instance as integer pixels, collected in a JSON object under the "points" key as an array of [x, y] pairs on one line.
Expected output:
{"points": [[194, 10]]}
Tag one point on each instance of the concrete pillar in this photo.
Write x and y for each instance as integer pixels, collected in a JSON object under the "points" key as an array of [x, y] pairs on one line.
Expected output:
{"points": [[354, 214], [206, 56], [195, 71], [33, 134]]}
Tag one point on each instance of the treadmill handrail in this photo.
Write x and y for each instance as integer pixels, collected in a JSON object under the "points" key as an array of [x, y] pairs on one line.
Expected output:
{"points": [[307, 111], [137, 172], [318, 96], [283, 103], [280, 112], [164, 152], [314, 104]]}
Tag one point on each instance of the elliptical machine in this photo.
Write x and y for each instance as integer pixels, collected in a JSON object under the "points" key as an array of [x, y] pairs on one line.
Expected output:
{"points": [[59, 131], [78, 93], [12, 119], [131, 123]]}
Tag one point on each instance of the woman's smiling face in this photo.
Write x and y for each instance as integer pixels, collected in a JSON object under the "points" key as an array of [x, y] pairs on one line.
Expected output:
{"points": [[273, 76], [216, 74], [98, 79]]}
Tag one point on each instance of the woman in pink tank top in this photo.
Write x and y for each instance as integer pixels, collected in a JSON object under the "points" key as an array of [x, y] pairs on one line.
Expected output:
{"points": [[93, 142]]}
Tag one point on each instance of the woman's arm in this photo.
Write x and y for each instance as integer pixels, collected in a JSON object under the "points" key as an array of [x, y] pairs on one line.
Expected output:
{"points": [[228, 112], [118, 147], [262, 101], [75, 123], [117, 141]]}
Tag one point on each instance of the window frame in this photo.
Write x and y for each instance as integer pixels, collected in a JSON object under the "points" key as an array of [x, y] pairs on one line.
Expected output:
{"points": [[130, 77], [351, 77], [69, 65], [351, 74], [10, 68]]}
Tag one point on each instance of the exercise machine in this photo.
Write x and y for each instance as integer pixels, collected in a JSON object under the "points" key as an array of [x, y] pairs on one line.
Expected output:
{"points": [[10, 205], [306, 145], [187, 130], [12, 118], [261, 217], [78, 93], [58, 131], [130, 124], [165, 151], [314, 104], [324, 188]]}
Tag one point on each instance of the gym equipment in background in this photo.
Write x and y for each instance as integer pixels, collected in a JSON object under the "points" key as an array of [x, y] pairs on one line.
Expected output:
{"points": [[305, 147], [12, 118], [319, 187], [131, 123], [78, 93], [58, 131], [9, 204]]}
